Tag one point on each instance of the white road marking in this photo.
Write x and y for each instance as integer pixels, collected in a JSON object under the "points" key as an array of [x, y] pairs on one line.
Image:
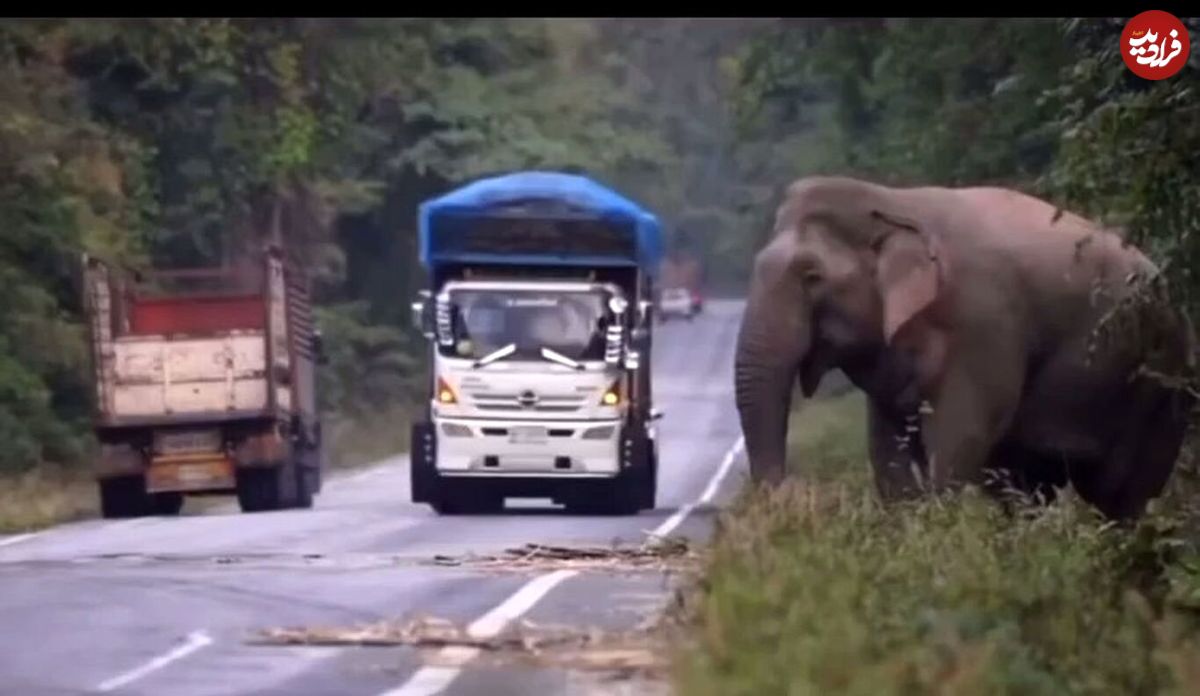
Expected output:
{"points": [[710, 491], [428, 681], [431, 680], [17, 538], [195, 641]]}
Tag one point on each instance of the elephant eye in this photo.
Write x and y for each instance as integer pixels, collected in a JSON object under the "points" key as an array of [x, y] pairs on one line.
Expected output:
{"points": [[810, 276]]}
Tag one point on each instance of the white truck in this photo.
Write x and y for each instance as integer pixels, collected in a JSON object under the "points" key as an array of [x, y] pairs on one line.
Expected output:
{"points": [[205, 385], [538, 313]]}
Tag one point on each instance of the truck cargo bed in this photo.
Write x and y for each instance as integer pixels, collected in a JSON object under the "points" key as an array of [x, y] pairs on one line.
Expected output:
{"points": [[161, 376], [241, 348]]}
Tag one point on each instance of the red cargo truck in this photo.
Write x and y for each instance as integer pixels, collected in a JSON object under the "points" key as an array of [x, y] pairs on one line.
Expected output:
{"points": [[205, 384]]}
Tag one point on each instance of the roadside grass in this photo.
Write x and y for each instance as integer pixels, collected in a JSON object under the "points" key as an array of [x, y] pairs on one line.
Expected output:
{"points": [[45, 496], [364, 439], [53, 494], [818, 589]]}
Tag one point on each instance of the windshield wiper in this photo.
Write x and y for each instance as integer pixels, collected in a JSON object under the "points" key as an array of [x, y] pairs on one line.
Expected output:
{"points": [[496, 355], [559, 358]]}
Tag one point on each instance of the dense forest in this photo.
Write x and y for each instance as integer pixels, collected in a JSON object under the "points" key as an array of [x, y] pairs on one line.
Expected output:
{"points": [[185, 142]]}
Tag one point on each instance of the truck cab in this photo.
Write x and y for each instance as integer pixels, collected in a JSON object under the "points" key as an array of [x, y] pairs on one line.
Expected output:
{"points": [[538, 320]]}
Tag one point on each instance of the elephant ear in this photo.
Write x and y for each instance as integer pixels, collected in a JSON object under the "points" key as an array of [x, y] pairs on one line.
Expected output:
{"points": [[910, 270]]}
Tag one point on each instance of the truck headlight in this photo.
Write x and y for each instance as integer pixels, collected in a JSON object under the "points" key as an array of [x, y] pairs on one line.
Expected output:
{"points": [[445, 394], [612, 395]]}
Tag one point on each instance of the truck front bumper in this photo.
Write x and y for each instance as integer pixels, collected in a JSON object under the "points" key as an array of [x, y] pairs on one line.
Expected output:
{"points": [[522, 448]]}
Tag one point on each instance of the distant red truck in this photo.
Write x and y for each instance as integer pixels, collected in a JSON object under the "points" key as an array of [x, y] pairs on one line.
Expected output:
{"points": [[205, 383]]}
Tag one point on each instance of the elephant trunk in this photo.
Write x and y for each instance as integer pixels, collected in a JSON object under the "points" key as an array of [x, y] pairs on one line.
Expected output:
{"points": [[772, 343]]}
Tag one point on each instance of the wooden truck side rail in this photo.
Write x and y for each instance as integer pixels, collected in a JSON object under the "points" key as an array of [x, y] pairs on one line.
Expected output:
{"points": [[278, 310]]}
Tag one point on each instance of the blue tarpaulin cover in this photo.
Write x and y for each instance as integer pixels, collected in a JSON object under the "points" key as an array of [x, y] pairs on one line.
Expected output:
{"points": [[582, 194]]}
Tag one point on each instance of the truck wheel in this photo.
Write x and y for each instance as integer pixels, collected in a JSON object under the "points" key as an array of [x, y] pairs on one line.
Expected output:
{"points": [[167, 503], [266, 489], [314, 480], [649, 479], [634, 489], [126, 496], [303, 499], [317, 462]]}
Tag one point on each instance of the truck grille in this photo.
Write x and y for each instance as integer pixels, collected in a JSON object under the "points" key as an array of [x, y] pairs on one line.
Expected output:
{"points": [[490, 401]]}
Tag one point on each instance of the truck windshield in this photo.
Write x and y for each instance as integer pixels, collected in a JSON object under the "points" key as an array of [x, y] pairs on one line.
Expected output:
{"points": [[569, 323]]}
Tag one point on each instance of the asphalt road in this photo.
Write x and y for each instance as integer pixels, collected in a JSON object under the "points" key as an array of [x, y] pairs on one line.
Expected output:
{"points": [[166, 605]]}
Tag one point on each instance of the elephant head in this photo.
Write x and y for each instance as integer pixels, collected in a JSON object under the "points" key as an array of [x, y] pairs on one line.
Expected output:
{"points": [[849, 267]]}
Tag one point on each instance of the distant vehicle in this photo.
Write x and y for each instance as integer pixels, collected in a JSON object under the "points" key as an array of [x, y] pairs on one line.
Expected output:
{"points": [[676, 302], [538, 316], [683, 270], [205, 384]]}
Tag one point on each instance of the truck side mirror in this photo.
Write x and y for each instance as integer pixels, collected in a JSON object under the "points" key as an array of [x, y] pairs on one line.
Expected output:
{"points": [[644, 309], [422, 314], [318, 346]]}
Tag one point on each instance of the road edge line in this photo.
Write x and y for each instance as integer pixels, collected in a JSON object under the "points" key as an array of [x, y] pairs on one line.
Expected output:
{"points": [[710, 491], [18, 538]]}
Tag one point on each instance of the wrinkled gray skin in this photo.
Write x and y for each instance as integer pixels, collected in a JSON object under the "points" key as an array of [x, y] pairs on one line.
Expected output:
{"points": [[965, 316]]}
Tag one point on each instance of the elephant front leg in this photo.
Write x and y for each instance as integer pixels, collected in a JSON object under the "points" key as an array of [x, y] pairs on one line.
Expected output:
{"points": [[897, 453], [962, 425]]}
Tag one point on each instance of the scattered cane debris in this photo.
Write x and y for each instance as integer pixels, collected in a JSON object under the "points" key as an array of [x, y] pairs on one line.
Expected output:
{"points": [[640, 651], [658, 554]]}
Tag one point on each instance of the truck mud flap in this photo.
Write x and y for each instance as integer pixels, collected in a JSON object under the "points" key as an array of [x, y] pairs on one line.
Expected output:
{"points": [[422, 471]]}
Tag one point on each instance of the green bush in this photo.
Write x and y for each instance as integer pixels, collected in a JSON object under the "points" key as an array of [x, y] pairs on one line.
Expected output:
{"points": [[817, 588]]}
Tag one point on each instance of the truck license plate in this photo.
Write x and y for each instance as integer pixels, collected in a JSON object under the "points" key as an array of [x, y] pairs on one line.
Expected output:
{"points": [[213, 474], [527, 435], [183, 441]]}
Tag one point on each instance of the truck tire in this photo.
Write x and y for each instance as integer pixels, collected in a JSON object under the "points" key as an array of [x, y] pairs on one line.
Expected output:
{"points": [[307, 464], [264, 489], [303, 498], [631, 491], [649, 479], [125, 496], [317, 461], [167, 504], [463, 500]]}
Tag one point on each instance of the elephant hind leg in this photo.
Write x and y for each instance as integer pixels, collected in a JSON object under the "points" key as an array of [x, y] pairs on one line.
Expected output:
{"points": [[1018, 475], [1139, 465]]}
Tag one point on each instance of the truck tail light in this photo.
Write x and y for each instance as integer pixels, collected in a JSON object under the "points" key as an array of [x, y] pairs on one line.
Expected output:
{"points": [[612, 395], [445, 394]]}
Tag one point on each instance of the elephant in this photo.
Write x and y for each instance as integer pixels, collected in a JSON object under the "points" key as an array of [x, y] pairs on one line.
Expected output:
{"points": [[982, 325]]}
